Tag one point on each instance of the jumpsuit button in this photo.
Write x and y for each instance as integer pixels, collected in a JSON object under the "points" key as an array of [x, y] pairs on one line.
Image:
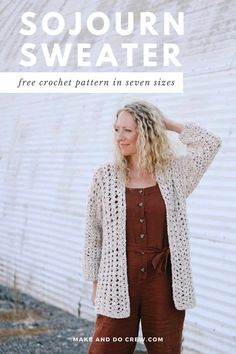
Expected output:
{"points": [[140, 191], [142, 269], [140, 204], [141, 220], [141, 235], [142, 252]]}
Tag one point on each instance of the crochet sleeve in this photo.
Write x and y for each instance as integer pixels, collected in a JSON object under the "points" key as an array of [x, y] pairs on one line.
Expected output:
{"points": [[202, 146], [93, 228]]}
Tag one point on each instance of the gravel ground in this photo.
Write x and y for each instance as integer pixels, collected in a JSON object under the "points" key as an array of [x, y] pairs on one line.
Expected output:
{"points": [[28, 326]]}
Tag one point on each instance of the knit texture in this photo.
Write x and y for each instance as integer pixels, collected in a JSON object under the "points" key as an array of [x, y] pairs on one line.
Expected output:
{"points": [[104, 256]]}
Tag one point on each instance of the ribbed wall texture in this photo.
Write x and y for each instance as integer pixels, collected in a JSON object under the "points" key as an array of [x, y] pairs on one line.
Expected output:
{"points": [[49, 145]]}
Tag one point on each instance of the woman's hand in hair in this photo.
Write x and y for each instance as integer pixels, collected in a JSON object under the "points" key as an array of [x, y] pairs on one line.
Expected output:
{"points": [[172, 125]]}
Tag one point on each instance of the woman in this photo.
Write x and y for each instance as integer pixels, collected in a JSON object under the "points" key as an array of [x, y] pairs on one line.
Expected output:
{"points": [[136, 249]]}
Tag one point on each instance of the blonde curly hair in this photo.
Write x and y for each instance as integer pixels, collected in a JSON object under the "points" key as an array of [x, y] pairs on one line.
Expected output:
{"points": [[155, 151]]}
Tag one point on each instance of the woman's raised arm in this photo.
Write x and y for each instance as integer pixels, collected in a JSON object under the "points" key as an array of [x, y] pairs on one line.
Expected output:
{"points": [[202, 146]]}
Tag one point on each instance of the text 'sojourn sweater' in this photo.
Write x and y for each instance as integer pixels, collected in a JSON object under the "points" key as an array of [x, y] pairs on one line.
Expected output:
{"points": [[104, 257]]}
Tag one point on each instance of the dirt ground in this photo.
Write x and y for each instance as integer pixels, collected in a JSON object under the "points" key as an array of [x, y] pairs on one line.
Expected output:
{"points": [[28, 326]]}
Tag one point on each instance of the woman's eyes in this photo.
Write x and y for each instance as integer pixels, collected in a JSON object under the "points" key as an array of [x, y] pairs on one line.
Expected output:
{"points": [[127, 130]]}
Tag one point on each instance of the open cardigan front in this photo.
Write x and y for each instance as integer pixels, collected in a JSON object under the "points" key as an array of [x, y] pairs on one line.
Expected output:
{"points": [[104, 256]]}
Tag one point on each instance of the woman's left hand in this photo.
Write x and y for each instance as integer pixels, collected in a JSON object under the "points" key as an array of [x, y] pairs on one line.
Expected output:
{"points": [[172, 125]]}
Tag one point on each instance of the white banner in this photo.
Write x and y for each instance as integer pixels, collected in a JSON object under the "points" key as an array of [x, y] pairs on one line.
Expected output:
{"points": [[91, 82]]}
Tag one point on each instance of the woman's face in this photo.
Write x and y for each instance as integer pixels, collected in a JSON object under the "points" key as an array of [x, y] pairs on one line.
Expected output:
{"points": [[125, 134]]}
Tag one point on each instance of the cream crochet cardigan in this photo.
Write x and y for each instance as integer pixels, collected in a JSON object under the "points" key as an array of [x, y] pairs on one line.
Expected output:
{"points": [[104, 256]]}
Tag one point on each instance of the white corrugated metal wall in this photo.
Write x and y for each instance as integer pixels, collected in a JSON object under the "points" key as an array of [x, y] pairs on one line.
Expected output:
{"points": [[49, 145]]}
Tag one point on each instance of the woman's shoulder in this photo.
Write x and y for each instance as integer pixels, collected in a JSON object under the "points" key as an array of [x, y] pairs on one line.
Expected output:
{"points": [[104, 167]]}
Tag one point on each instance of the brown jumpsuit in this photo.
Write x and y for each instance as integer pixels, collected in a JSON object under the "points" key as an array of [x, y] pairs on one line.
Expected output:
{"points": [[149, 279]]}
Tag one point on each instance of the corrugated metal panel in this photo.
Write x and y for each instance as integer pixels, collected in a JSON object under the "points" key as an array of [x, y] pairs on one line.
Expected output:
{"points": [[49, 145]]}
